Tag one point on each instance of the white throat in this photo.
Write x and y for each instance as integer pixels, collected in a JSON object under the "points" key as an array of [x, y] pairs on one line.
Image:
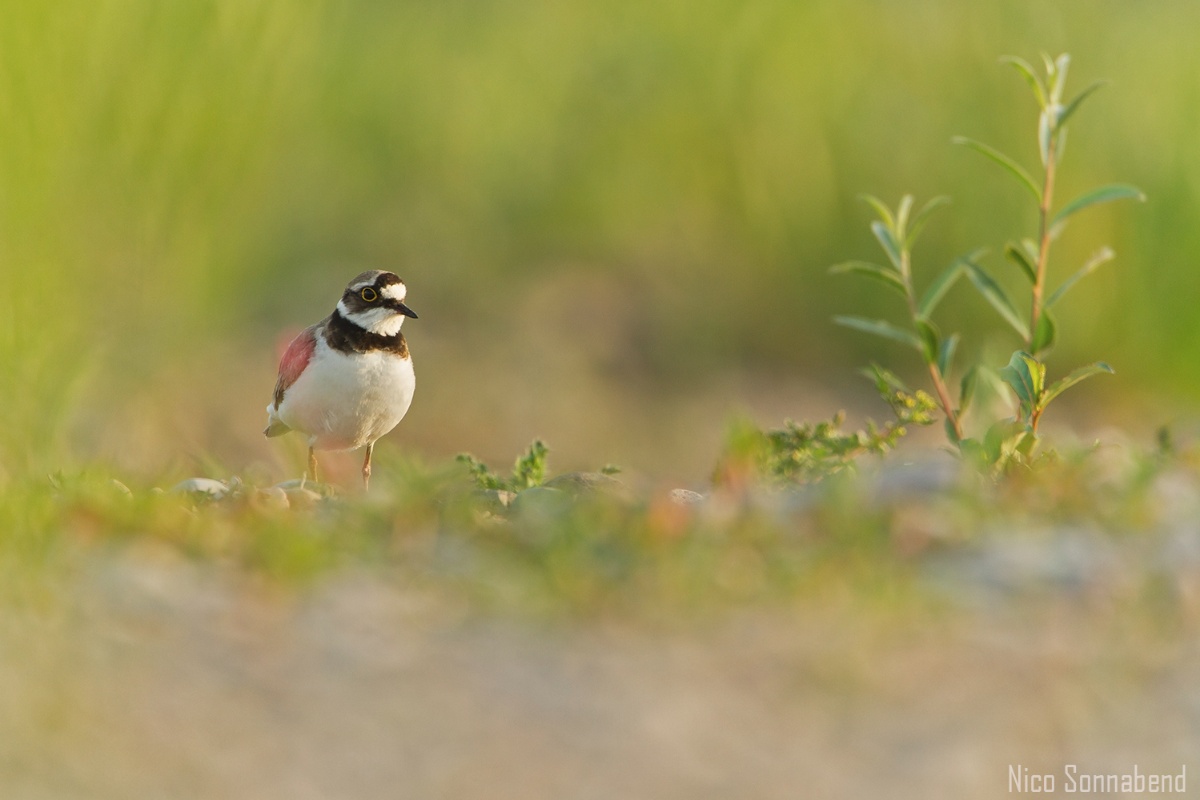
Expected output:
{"points": [[381, 321]]}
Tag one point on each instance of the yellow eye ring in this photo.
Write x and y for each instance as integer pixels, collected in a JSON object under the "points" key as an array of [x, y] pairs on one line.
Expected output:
{"points": [[369, 294]]}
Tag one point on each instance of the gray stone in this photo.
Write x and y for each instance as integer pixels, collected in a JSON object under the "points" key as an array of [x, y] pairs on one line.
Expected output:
{"points": [[301, 497], [322, 489], [272, 497], [541, 501], [581, 484], [494, 499], [685, 497], [207, 487]]}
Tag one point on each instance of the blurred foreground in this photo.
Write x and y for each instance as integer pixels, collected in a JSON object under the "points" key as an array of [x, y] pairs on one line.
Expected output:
{"points": [[167, 681], [908, 632]]}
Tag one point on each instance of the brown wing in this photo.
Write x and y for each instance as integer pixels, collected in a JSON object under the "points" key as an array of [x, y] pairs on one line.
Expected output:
{"points": [[294, 360]]}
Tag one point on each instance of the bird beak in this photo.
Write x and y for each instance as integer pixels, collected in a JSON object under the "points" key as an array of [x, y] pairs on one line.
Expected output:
{"points": [[406, 311]]}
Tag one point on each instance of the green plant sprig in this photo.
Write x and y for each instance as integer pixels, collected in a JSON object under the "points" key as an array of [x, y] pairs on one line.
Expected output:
{"points": [[897, 234], [528, 470], [1032, 257], [806, 452], [1025, 373]]}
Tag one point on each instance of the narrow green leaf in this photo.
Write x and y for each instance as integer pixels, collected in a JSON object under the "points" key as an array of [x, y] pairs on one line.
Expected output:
{"points": [[1013, 168], [902, 213], [931, 339], [994, 438], [1045, 136], [1035, 83], [881, 328], [946, 353], [1021, 376], [881, 209], [1101, 256], [1026, 376], [967, 389], [1044, 334], [1038, 370], [1070, 108], [887, 276], [885, 379], [1060, 144], [887, 242], [1061, 64], [937, 290], [1105, 194], [922, 217], [1027, 443], [948, 427], [1016, 254], [1003, 439], [1081, 374], [992, 292], [1048, 62]]}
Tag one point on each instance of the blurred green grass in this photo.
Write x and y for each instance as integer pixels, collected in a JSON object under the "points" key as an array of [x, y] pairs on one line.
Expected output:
{"points": [[602, 212]]}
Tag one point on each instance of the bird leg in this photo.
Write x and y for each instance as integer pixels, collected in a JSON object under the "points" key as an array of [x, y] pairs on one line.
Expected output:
{"points": [[311, 473], [367, 466]]}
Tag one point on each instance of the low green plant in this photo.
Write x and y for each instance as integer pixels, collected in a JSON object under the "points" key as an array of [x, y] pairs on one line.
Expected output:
{"points": [[1011, 441], [805, 452], [528, 471]]}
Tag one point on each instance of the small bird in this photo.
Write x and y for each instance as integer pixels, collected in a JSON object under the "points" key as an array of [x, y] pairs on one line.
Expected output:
{"points": [[348, 380]]}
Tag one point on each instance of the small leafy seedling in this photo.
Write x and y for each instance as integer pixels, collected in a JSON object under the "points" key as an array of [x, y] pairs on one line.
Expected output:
{"points": [[528, 471], [805, 452]]}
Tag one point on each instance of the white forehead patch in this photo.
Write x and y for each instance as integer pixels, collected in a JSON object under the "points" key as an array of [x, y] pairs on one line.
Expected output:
{"points": [[382, 321], [396, 291]]}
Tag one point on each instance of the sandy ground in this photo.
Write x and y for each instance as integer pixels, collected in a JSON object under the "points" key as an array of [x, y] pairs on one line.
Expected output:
{"points": [[163, 679]]}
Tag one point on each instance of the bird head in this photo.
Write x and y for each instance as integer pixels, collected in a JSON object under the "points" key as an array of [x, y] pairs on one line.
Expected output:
{"points": [[374, 301]]}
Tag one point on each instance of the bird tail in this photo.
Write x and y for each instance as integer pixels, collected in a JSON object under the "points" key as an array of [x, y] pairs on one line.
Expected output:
{"points": [[275, 426]]}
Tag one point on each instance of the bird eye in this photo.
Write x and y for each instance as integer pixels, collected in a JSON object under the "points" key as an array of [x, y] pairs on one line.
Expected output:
{"points": [[369, 294]]}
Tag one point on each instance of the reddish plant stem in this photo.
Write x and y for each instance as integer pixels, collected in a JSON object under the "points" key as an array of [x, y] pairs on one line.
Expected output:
{"points": [[935, 374]]}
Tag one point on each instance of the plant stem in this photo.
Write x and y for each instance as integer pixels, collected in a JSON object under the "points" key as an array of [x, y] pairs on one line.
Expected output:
{"points": [[935, 374], [1039, 283], [943, 394]]}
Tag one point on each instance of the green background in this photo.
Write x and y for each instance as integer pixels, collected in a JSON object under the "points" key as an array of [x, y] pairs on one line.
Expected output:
{"points": [[614, 219]]}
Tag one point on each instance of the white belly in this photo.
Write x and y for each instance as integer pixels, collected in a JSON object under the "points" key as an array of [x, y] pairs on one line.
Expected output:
{"points": [[343, 402]]}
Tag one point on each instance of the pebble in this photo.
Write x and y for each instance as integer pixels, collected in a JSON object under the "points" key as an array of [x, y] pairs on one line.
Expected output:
{"points": [[213, 489], [494, 499], [272, 497], [541, 502], [685, 497], [298, 497], [579, 484]]}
